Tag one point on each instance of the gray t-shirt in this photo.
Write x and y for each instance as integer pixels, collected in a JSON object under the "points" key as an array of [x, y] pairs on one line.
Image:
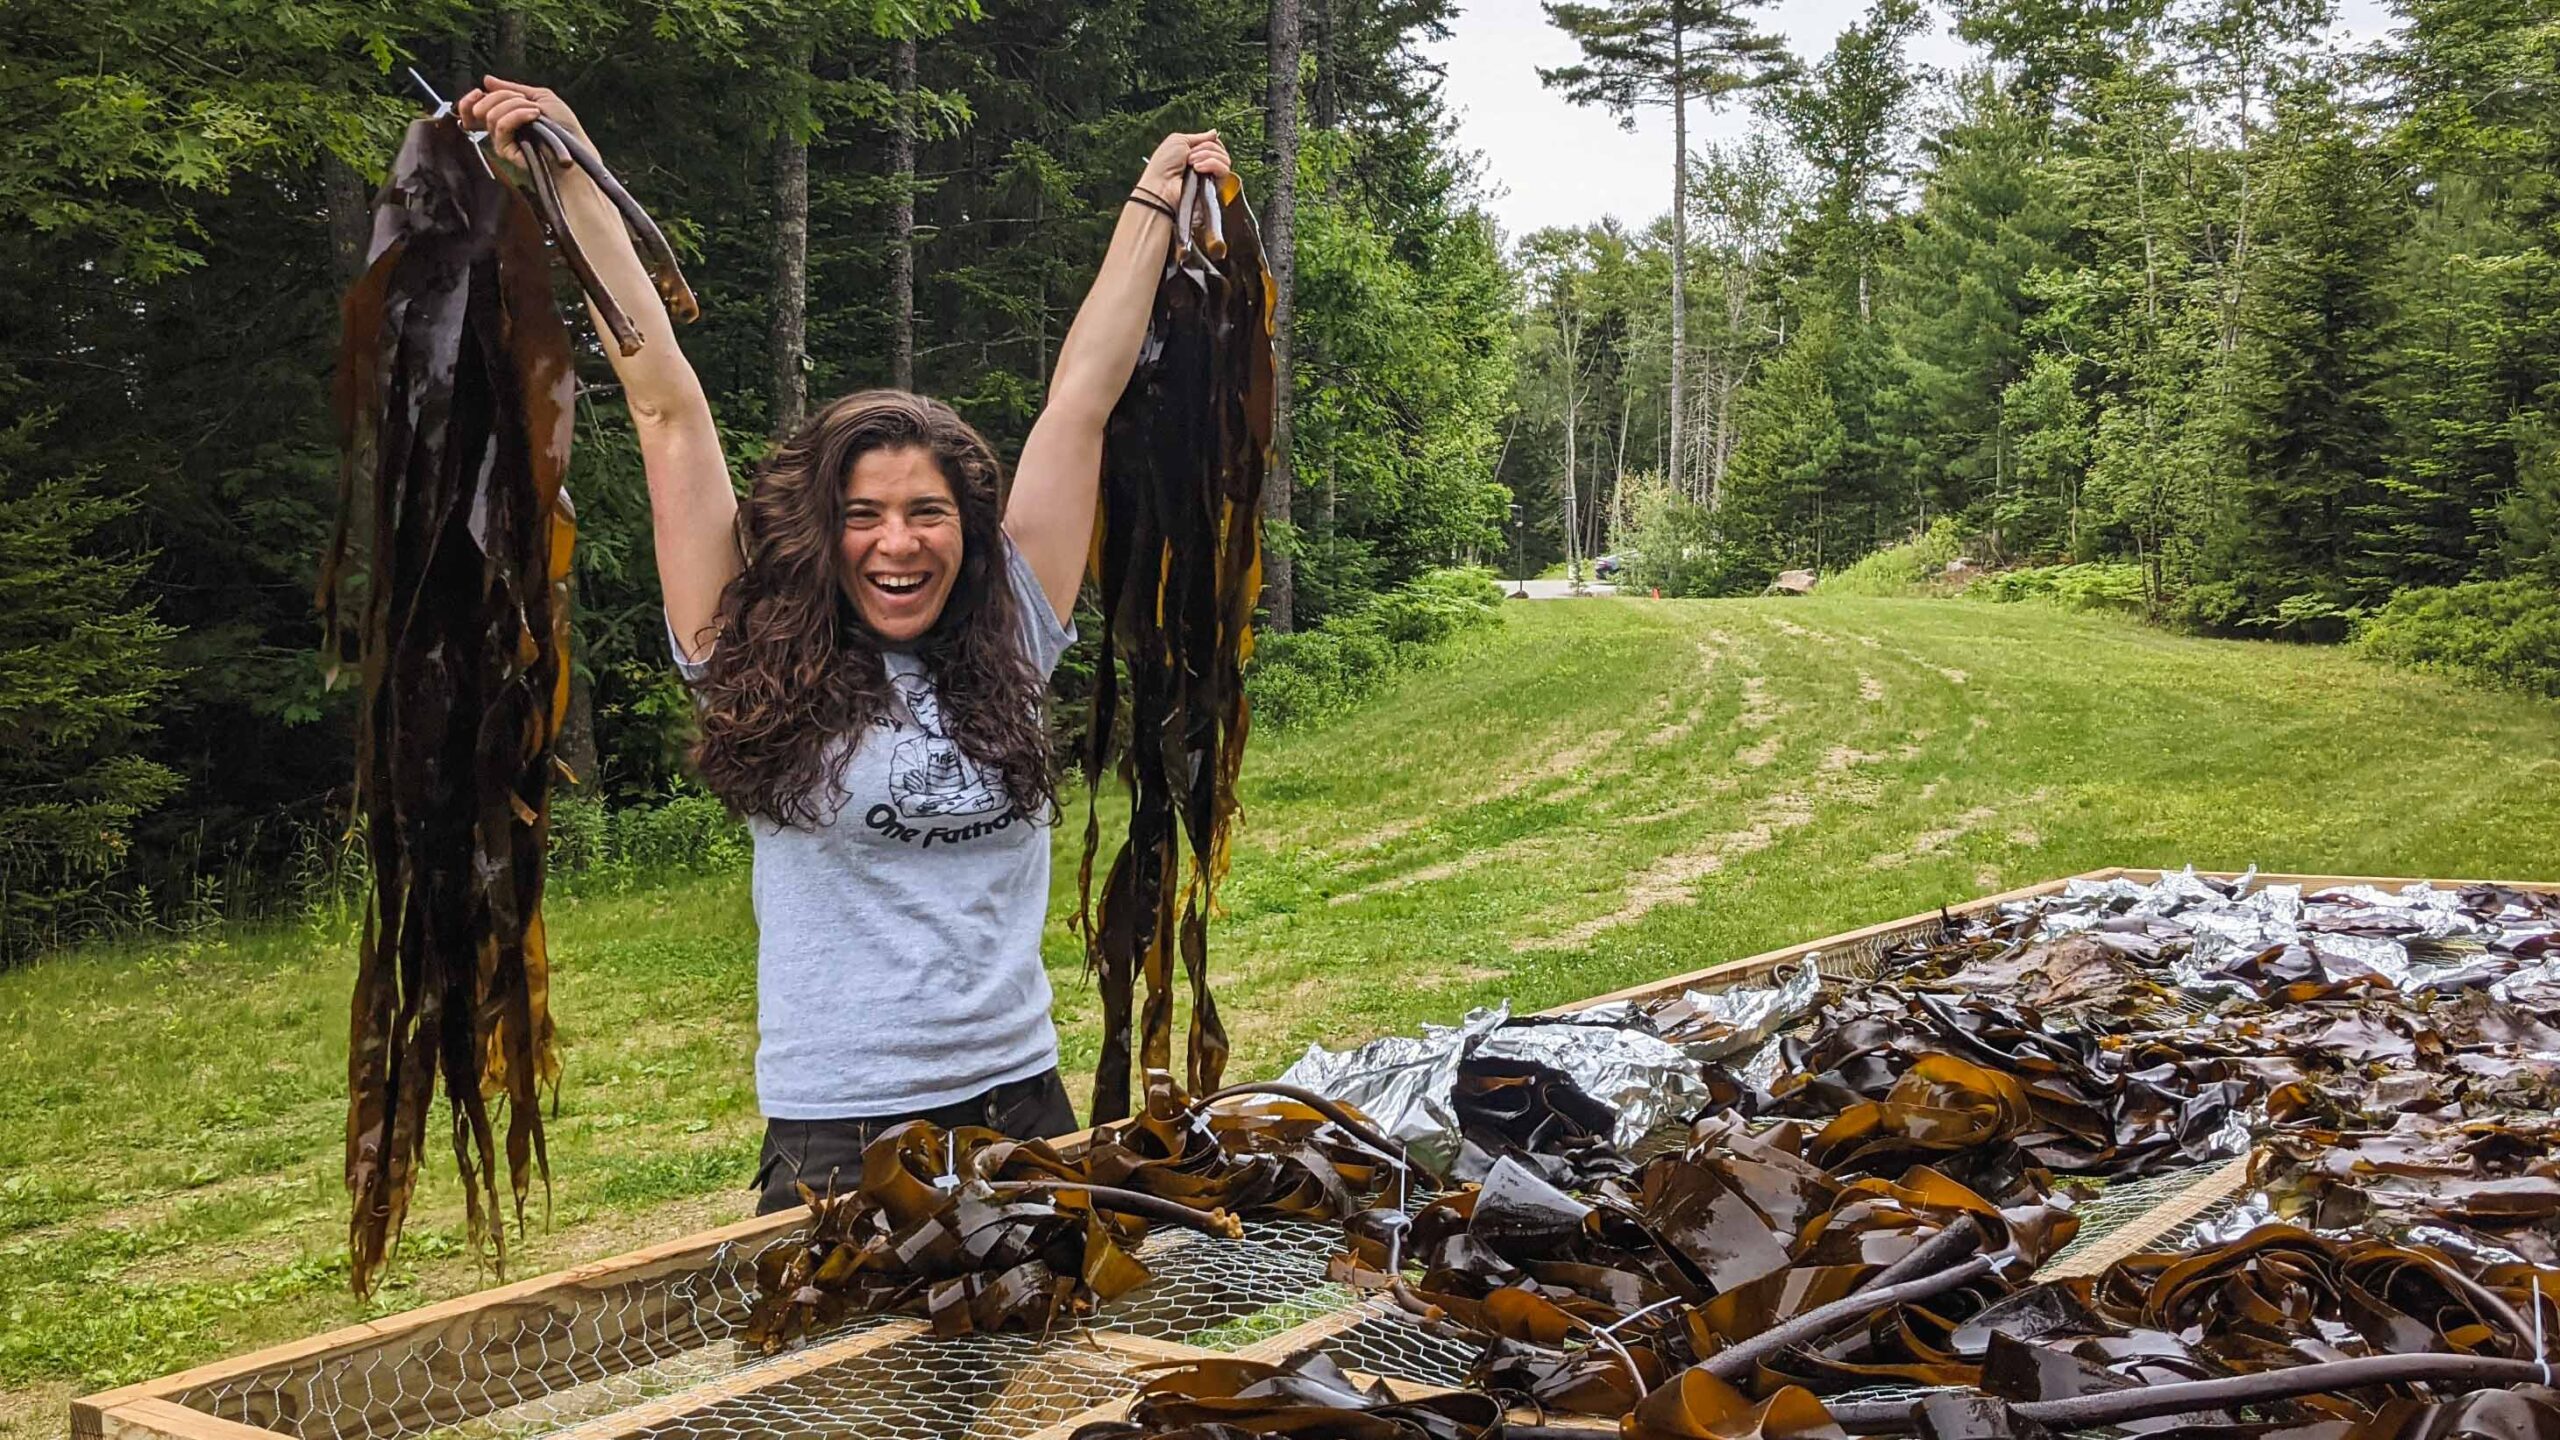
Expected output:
{"points": [[898, 945]]}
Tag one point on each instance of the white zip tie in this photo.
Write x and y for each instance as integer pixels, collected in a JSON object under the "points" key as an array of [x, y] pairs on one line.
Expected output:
{"points": [[2541, 1353]]}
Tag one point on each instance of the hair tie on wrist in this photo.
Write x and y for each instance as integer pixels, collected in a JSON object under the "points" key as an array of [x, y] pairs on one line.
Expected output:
{"points": [[1152, 202]]}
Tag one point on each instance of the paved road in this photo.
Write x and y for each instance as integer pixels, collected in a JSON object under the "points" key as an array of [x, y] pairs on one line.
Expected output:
{"points": [[1556, 589]]}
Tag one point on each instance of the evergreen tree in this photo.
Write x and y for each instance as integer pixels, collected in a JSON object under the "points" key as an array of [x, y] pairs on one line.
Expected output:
{"points": [[1961, 302], [2311, 431], [1643, 53], [81, 667], [1785, 460]]}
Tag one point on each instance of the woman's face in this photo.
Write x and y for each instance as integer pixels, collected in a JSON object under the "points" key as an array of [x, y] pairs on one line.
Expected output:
{"points": [[900, 549]]}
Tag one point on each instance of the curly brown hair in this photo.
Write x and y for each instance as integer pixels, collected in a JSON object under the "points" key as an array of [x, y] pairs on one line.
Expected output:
{"points": [[794, 669]]}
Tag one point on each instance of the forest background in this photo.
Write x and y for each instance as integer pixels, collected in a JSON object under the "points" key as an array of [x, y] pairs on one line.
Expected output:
{"points": [[2164, 304]]}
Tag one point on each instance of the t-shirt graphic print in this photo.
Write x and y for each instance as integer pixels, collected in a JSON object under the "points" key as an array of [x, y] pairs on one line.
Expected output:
{"points": [[929, 775]]}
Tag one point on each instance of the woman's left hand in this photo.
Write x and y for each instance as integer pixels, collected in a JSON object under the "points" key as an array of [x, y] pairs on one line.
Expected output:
{"points": [[1178, 155]]}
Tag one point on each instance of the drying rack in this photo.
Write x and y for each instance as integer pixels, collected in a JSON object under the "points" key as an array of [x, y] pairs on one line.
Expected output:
{"points": [[647, 1345]]}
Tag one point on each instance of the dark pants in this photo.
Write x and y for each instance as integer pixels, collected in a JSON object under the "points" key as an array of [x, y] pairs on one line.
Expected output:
{"points": [[809, 1152]]}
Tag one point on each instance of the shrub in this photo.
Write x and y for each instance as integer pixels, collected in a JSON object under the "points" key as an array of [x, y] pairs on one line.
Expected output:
{"points": [[2099, 585], [2491, 632], [1295, 679], [596, 847], [1682, 549], [1910, 568]]}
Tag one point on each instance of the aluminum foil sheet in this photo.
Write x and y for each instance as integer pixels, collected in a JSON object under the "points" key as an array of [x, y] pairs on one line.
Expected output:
{"points": [[2459, 1243], [2417, 937], [1407, 1084], [2525, 979], [2242, 1218], [1647, 1081], [1720, 1024]]}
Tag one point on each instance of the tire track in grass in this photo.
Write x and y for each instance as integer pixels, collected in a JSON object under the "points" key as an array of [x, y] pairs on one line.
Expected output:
{"points": [[1583, 766], [1713, 647], [1839, 777], [1669, 879], [1527, 847]]}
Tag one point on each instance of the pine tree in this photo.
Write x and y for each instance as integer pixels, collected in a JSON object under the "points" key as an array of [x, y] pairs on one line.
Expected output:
{"points": [[1643, 53], [2310, 429], [1785, 458], [81, 670], [1961, 302]]}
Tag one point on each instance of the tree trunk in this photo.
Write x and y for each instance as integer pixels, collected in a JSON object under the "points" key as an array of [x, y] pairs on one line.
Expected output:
{"points": [[1572, 482], [1325, 105], [509, 59], [1679, 250], [902, 226], [575, 746], [790, 337], [1279, 233], [350, 205], [1618, 480]]}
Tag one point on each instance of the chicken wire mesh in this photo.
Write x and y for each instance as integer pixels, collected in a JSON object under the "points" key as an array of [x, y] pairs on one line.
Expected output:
{"points": [[664, 1358], [2120, 1203], [982, 1387]]}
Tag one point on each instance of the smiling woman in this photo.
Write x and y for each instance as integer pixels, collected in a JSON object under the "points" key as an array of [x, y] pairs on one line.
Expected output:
{"points": [[874, 531], [869, 634]]}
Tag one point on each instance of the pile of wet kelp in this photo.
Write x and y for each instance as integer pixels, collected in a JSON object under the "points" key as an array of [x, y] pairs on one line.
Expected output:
{"points": [[1852, 1226], [976, 1232], [1849, 1242]]}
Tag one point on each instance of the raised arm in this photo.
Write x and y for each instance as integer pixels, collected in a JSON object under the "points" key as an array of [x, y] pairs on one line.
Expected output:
{"points": [[1050, 515], [693, 512]]}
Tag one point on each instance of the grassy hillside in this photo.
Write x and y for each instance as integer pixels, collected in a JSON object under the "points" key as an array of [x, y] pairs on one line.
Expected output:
{"points": [[1596, 793]]}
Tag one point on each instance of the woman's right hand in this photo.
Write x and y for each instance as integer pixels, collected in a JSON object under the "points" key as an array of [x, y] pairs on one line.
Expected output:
{"points": [[503, 107]]}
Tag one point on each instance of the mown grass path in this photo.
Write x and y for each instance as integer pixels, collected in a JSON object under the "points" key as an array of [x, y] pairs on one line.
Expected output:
{"points": [[1596, 793]]}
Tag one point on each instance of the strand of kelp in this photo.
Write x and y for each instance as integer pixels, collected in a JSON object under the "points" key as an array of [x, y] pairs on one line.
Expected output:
{"points": [[1178, 562], [454, 394]]}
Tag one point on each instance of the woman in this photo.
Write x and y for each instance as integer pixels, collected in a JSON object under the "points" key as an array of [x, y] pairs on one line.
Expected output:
{"points": [[869, 639]]}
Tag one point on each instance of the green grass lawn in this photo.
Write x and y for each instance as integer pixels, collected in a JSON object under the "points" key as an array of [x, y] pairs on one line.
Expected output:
{"points": [[1595, 793]]}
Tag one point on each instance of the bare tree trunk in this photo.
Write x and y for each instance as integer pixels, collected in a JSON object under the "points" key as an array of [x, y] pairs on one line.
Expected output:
{"points": [[1679, 246], [1572, 517], [790, 335], [1279, 232], [902, 226], [1617, 509], [1701, 436]]}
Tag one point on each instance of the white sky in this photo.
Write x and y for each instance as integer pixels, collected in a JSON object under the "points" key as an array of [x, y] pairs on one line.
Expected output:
{"points": [[1551, 163]]}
